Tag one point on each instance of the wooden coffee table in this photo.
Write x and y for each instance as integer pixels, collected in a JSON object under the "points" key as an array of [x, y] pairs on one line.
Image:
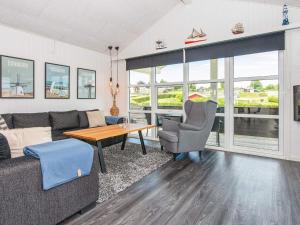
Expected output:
{"points": [[99, 134]]}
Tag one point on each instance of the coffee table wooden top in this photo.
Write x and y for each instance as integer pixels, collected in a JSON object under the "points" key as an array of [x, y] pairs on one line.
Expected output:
{"points": [[100, 133]]}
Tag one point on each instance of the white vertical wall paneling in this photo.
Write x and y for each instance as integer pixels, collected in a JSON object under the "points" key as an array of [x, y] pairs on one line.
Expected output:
{"points": [[27, 45], [291, 78]]}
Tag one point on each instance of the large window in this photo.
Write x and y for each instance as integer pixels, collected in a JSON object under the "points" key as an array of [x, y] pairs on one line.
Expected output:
{"points": [[246, 89], [207, 70], [140, 76], [256, 101], [141, 118], [140, 91], [169, 86], [169, 73], [170, 97], [206, 82]]}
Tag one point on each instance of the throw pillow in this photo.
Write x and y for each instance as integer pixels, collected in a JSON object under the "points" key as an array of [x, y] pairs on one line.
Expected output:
{"points": [[28, 120], [64, 120], [96, 118], [20, 138], [3, 125], [83, 120], [9, 120]]}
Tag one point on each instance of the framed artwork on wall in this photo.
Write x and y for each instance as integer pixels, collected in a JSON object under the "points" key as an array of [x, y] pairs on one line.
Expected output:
{"points": [[86, 84], [17, 77], [57, 81]]}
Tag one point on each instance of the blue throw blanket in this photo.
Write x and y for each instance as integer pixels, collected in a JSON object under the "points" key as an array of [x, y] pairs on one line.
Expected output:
{"points": [[62, 161]]}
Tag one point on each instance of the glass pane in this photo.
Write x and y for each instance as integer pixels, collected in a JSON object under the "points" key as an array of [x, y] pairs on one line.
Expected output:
{"points": [[216, 137], [209, 91], [140, 98], [256, 133], [170, 97], [169, 73], [140, 76], [141, 118], [170, 116], [260, 64], [256, 97], [207, 70]]}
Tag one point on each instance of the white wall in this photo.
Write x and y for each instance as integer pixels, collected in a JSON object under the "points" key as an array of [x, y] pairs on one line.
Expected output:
{"points": [[27, 45], [216, 18], [291, 78]]}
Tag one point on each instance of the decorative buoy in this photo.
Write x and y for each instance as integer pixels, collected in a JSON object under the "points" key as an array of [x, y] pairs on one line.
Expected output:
{"points": [[285, 15]]}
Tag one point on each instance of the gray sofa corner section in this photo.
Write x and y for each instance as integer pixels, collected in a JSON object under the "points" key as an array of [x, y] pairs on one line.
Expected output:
{"points": [[23, 201]]}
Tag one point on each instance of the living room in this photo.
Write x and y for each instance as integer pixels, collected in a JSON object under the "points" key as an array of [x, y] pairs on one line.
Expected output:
{"points": [[149, 112]]}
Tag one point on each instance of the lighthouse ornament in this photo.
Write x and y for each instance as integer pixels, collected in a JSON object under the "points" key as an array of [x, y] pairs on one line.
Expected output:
{"points": [[285, 15]]}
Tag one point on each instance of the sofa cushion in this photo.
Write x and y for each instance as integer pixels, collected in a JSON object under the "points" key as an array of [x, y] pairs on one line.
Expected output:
{"points": [[4, 148], [27, 120], [83, 120], [9, 120], [96, 118], [20, 138], [3, 125], [64, 120]]}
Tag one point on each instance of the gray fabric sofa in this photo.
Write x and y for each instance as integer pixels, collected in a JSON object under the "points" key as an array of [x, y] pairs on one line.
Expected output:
{"points": [[22, 199], [24, 202], [59, 121]]}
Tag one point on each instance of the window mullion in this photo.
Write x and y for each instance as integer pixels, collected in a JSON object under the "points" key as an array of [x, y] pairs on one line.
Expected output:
{"points": [[153, 100]]}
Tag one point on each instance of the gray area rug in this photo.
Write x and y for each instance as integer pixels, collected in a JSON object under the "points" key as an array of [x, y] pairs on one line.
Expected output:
{"points": [[126, 167]]}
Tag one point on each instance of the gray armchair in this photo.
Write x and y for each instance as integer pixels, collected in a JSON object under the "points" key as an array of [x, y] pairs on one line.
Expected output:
{"points": [[191, 135]]}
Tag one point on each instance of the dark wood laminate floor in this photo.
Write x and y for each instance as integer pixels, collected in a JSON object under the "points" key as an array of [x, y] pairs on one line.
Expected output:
{"points": [[225, 188]]}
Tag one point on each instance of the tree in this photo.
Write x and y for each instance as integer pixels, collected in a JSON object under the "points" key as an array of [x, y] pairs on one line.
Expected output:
{"points": [[193, 88], [256, 85], [141, 82], [272, 87], [222, 86]]}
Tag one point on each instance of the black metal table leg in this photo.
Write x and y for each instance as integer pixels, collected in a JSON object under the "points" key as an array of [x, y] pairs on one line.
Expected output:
{"points": [[142, 143], [124, 141], [101, 157]]}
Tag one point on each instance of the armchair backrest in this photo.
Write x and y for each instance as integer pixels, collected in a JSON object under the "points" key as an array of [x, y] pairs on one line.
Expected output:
{"points": [[200, 114]]}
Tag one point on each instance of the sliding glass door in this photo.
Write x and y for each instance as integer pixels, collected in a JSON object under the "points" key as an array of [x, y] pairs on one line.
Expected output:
{"points": [[256, 101], [206, 82]]}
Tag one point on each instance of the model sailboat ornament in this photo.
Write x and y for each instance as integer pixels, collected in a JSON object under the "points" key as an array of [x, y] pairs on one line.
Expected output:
{"points": [[238, 29], [195, 37]]}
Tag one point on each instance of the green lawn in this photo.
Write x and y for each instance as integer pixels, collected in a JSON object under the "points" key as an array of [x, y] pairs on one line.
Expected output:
{"points": [[175, 98]]}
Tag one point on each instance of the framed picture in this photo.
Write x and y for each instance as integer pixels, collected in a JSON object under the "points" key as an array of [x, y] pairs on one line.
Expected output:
{"points": [[57, 81], [17, 77], [86, 84]]}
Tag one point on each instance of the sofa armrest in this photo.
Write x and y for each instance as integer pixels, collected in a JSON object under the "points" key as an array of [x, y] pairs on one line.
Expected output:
{"points": [[4, 148], [111, 120]]}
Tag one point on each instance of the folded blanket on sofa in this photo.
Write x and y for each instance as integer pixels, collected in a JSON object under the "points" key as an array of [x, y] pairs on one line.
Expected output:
{"points": [[62, 161]]}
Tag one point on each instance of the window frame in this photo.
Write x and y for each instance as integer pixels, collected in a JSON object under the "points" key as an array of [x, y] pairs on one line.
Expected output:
{"points": [[232, 115], [228, 114]]}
